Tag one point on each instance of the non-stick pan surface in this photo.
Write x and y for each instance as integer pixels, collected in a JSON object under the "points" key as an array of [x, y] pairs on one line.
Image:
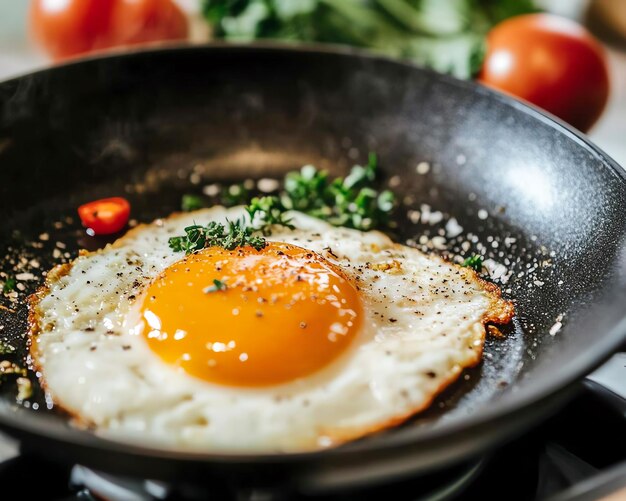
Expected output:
{"points": [[534, 195]]}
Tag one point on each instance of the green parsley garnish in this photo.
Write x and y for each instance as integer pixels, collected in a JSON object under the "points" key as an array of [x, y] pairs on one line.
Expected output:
{"points": [[475, 262], [271, 212], [191, 202], [9, 285], [218, 285], [349, 201], [304, 188], [197, 237]]}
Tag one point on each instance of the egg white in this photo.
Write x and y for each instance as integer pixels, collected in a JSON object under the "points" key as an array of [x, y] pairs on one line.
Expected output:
{"points": [[424, 322]]}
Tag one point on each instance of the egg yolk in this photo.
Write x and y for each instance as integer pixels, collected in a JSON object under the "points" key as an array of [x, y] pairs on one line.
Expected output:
{"points": [[251, 318]]}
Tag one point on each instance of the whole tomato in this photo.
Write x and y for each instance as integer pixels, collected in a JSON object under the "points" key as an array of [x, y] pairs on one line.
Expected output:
{"points": [[551, 62], [66, 28], [140, 21]]}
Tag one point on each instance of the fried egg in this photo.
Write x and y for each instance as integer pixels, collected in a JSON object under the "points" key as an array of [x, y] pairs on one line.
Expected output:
{"points": [[323, 336]]}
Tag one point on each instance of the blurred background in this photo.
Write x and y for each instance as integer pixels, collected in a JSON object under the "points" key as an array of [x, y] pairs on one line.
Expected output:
{"points": [[576, 71]]}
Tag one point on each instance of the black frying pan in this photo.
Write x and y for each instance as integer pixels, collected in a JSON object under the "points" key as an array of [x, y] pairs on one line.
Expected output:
{"points": [[140, 124]]}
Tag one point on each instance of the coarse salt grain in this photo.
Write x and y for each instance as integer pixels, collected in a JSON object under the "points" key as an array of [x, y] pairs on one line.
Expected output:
{"points": [[435, 217], [439, 243], [422, 168], [453, 228], [395, 181], [211, 190], [555, 328], [267, 185], [414, 216], [557, 324]]}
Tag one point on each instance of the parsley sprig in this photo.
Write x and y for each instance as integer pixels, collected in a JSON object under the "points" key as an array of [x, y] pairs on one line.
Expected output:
{"points": [[9, 285], [270, 211], [475, 262], [349, 201], [234, 234]]}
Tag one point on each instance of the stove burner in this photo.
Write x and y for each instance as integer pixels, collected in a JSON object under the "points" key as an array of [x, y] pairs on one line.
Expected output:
{"points": [[438, 487]]}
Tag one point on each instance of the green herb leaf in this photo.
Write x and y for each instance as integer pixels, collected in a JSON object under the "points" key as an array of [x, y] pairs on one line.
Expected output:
{"points": [[9, 285], [361, 176], [191, 202], [234, 234], [218, 285], [351, 201], [475, 262], [445, 35], [304, 189], [270, 211]]}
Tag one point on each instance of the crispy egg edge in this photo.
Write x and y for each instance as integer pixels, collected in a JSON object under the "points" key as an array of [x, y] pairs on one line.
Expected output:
{"points": [[500, 311]]}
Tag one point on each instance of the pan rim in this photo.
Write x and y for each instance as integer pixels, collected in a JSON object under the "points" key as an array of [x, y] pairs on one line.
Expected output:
{"points": [[503, 407]]}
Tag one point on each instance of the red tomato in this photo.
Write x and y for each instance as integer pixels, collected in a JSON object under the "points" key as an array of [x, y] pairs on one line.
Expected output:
{"points": [[67, 28], [551, 62], [139, 21], [105, 216]]}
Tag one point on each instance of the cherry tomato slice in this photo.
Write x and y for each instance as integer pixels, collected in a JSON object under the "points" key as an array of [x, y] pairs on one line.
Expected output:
{"points": [[105, 216]]}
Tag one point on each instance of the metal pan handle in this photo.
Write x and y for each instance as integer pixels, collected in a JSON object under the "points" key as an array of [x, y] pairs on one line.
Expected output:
{"points": [[609, 382]]}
